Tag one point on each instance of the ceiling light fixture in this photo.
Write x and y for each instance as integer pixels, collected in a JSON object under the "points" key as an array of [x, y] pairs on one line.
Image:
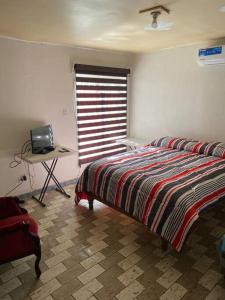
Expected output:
{"points": [[155, 15], [156, 11]]}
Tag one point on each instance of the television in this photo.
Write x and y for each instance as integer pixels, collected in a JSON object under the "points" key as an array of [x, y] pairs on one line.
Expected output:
{"points": [[42, 140]]}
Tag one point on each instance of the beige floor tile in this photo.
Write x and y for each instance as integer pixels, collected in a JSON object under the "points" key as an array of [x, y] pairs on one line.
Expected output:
{"points": [[125, 230], [210, 279], [52, 211], [131, 291], [98, 229], [218, 231], [218, 293], [51, 262], [71, 273], [67, 289], [129, 249], [49, 298], [126, 222], [168, 278], [166, 263], [9, 286], [14, 272], [197, 251], [158, 252], [130, 275], [203, 264], [198, 293], [111, 285], [96, 238], [43, 233], [22, 260], [175, 292], [76, 229], [92, 260], [111, 260], [90, 274], [111, 249], [128, 239], [52, 273], [88, 290], [45, 290], [47, 219], [46, 225], [193, 239], [74, 219], [129, 261], [6, 297], [96, 247], [66, 236], [101, 220], [190, 279], [63, 246], [71, 227]]}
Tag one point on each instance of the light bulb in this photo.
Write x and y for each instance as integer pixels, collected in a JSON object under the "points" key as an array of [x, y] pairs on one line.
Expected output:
{"points": [[155, 15], [154, 24]]}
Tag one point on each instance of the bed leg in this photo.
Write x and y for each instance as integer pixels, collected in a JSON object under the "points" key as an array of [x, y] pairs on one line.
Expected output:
{"points": [[164, 245], [90, 201]]}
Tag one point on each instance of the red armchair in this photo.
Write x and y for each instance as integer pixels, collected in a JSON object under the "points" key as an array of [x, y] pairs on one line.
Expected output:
{"points": [[18, 233]]}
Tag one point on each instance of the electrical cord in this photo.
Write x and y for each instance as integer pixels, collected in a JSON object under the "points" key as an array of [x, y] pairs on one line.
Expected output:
{"points": [[26, 147], [15, 187]]}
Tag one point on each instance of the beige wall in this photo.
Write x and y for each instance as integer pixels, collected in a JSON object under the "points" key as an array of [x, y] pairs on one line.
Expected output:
{"points": [[36, 88], [173, 95]]}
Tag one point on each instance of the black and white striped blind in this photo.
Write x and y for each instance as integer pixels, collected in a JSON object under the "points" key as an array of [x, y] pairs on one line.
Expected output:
{"points": [[101, 101]]}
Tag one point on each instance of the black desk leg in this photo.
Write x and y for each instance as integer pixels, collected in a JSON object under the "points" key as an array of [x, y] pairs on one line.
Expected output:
{"points": [[46, 183], [59, 186]]}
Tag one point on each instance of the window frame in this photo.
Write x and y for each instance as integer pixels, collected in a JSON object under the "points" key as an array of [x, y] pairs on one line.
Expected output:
{"points": [[104, 86]]}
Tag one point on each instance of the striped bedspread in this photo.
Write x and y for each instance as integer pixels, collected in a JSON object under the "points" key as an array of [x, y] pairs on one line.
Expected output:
{"points": [[163, 188]]}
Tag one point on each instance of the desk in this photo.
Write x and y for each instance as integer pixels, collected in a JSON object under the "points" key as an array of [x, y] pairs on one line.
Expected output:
{"points": [[53, 156]]}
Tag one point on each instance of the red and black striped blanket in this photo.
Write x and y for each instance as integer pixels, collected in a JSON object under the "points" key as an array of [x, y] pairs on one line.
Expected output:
{"points": [[165, 189]]}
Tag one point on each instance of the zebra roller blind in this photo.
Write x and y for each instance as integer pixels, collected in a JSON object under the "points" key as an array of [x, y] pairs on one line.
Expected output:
{"points": [[101, 106]]}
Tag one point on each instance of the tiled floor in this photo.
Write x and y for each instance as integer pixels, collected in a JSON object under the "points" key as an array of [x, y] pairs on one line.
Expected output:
{"points": [[106, 255]]}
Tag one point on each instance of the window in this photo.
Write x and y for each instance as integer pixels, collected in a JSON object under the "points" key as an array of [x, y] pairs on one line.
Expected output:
{"points": [[101, 98]]}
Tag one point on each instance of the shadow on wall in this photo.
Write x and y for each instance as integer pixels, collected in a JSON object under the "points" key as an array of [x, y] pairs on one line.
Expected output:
{"points": [[14, 132]]}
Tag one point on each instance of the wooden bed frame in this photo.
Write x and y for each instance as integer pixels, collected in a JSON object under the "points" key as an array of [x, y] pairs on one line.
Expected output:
{"points": [[92, 197]]}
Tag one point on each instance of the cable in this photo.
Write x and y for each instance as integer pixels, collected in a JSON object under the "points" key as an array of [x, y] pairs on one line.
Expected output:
{"points": [[13, 189], [17, 156], [30, 176]]}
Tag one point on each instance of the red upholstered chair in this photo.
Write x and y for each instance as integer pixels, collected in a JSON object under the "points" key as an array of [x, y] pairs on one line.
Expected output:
{"points": [[18, 233]]}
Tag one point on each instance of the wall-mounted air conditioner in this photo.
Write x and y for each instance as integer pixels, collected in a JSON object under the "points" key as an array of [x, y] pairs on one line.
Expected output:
{"points": [[211, 56]]}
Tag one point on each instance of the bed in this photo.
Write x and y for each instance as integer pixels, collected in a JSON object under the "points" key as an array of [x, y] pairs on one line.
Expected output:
{"points": [[164, 185]]}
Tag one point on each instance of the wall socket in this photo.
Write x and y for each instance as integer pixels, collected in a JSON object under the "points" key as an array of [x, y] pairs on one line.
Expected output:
{"points": [[23, 178]]}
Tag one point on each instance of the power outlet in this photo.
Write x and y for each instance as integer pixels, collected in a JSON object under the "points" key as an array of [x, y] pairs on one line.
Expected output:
{"points": [[23, 178]]}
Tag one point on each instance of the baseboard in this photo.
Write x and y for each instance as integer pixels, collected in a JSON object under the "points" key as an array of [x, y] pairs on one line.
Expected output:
{"points": [[50, 188]]}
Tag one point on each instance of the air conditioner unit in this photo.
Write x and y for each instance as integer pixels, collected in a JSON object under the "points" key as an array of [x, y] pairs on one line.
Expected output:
{"points": [[211, 56]]}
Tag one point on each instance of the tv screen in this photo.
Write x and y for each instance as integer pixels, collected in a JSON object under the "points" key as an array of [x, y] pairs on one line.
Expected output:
{"points": [[42, 139]]}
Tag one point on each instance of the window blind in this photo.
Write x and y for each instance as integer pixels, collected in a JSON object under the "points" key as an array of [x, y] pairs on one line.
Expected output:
{"points": [[101, 106]]}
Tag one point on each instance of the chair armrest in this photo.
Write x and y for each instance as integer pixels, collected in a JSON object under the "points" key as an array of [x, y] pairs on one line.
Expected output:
{"points": [[9, 207], [16, 226], [8, 199]]}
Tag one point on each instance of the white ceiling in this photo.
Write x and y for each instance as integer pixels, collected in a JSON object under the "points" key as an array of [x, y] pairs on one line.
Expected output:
{"points": [[111, 24]]}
